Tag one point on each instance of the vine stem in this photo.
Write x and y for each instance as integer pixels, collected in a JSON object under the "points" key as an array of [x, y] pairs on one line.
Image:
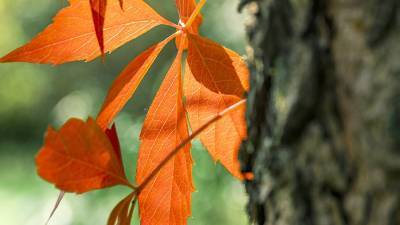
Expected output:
{"points": [[186, 141], [195, 13]]}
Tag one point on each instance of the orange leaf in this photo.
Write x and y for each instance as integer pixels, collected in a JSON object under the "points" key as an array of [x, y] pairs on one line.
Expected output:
{"points": [[98, 8], [71, 36], [79, 158], [166, 198], [122, 212], [127, 82], [216, 78]]}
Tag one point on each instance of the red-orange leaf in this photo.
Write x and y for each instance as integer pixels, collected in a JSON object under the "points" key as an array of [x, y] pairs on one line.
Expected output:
{"points": [[113, 137], [215, 79], [98, 13], [127, 82], [79, 158], [166, 198], [71, 36]]}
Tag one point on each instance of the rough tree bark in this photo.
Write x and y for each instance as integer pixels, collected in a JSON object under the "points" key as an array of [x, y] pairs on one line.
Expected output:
{"points": [[323, 112]]}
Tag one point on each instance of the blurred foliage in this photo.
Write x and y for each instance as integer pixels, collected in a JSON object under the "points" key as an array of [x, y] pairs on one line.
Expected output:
{"points": [[34, 96]]}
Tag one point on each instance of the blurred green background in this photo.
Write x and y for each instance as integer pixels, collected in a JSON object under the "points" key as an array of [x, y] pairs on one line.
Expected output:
{"points": [[34, 96]]}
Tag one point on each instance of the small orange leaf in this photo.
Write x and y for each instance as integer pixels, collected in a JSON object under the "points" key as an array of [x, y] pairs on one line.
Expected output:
{"points": [[79, 158], [122, 212], [71, 36], [216, 78], [127, 82], [113, 137], [166, 198]]}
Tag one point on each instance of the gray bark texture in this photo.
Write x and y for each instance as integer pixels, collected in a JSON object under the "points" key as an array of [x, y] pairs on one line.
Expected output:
{"points": [[323, 112]]}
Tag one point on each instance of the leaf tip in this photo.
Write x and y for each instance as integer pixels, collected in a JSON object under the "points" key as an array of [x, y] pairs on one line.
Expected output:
{"points": [[248, 176], [5, 59], [121, 5]]}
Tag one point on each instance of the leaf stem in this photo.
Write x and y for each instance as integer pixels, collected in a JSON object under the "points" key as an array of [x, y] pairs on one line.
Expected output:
{"points": [[127, 183], [186, 141], [195, 13], [59, 199], [174, 35], [171, 24]]}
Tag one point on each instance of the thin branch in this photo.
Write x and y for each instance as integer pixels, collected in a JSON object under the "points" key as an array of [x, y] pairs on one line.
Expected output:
{"points": [[186, 141], [60, 197], [195, 13]]}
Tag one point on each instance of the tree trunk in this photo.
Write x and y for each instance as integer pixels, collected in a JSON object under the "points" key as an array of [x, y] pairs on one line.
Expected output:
{"points": [[323, 112]]}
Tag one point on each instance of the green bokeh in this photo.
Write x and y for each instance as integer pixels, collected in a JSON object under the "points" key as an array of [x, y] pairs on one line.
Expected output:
{"points": [[34, 96]]}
